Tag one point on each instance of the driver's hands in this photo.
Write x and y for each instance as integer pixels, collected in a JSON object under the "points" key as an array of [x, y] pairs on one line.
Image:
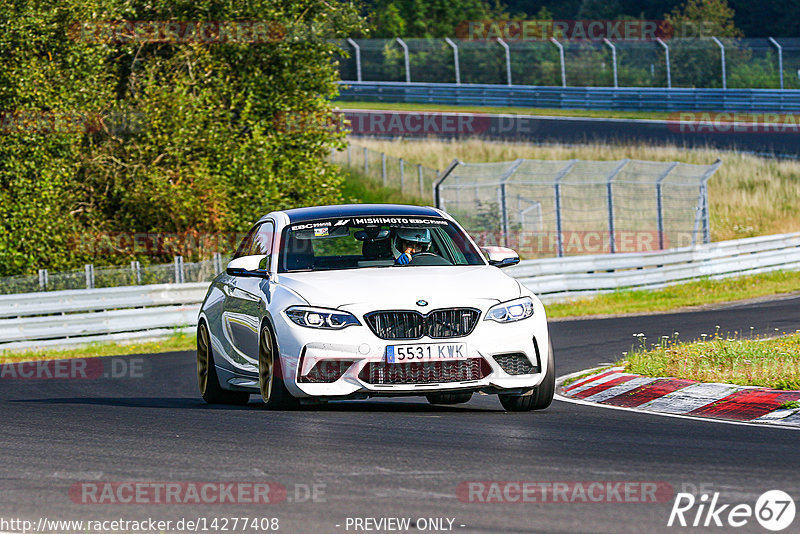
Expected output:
{"points": [[403, 259]]}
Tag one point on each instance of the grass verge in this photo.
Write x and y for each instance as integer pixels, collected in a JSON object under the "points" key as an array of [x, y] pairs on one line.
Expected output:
{"points": [[176, 342], [698, 293], [773, 363]]}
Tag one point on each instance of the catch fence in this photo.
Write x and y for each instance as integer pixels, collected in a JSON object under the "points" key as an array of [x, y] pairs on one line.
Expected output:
{"points": [[557, 208]]}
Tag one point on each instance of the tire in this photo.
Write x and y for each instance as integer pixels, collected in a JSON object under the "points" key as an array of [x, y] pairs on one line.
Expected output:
{"points": [[449, 398], [207, 379], [539, 397], [270, 375]]}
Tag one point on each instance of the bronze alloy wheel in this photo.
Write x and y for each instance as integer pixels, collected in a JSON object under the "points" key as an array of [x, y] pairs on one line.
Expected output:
{"points": [[266, 364], [207, 380], [270, 378]]}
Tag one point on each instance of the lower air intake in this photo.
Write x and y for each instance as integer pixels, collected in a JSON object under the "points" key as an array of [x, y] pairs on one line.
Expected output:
{"points": [[326, 371], [515, 363], [382, 373]]}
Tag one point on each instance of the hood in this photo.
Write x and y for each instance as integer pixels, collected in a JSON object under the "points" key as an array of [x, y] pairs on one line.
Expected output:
{"points": [[402, 287]]}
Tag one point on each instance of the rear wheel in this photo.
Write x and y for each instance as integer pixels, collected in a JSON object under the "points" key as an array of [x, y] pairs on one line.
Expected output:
{"points": [[207, 379], [539, 397], [449, 398], [270, 375]]}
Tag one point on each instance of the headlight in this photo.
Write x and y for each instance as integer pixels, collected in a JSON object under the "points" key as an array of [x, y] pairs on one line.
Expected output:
{"points": [[513, 310], [320, 318]]}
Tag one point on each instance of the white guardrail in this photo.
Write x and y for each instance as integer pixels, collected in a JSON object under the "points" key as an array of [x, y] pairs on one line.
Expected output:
{"points": [[61, 318], [578, 276]]}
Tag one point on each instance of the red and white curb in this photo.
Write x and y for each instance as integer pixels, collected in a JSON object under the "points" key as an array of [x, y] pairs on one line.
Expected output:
{"points": [[615, 388]]}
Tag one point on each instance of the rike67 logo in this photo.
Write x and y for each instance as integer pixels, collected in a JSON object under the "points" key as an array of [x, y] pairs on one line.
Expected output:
{"points": [[774, 510]]}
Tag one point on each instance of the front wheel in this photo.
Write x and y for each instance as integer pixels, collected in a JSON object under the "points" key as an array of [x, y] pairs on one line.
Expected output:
{"points": [[539, 397], [270, 375], [207, 379]]}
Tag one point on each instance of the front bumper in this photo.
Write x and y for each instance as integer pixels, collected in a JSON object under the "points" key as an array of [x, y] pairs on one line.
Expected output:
{"points": [[356, 347]]}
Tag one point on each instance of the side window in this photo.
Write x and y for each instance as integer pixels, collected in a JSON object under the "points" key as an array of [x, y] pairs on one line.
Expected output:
{"points": [[258, 241]]}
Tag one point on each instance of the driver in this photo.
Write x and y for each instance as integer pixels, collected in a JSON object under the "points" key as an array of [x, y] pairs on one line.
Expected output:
{"points": [[408, 242]]}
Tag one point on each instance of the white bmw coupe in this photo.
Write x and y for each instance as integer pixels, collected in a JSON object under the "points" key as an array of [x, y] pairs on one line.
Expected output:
{"points": [[357, 301]]}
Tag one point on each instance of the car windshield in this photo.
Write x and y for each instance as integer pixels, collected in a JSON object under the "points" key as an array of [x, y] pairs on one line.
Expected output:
{"points": [[363, 242]]}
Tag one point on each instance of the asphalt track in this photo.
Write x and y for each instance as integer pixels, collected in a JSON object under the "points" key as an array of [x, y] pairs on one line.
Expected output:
{"points": [[389, 458]]}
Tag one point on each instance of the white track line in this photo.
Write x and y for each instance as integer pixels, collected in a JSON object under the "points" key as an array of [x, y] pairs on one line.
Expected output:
{"points": [[561, 379]]}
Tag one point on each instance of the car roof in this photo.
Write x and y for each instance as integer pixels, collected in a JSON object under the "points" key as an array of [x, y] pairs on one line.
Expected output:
{"points": [[359, 210]]}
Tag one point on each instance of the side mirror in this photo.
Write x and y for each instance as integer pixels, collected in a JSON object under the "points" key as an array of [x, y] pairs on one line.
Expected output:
{"points": [[500, 256], [254, 266]]}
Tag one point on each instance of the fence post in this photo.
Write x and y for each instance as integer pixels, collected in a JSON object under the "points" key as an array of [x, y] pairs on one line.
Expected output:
{"points": [[557, 186], [358, 57], [349, 156], [88, 271], [666, 60], [366, 162], [179, 275], [43, 279], [503, 200], [441, 177], [421, 181], [561, 57], [402, 175], [704, 198], [613, 60], [660, 204], [405, 54], [383, 167], [508, 59], [780, 58], [610, 197], [136, 269], [217, 263], [722, 56], [455, 59]]}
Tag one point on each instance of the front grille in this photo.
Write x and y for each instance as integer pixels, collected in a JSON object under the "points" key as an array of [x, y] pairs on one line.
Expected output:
{"points": [[326, 371], [425, 372], [515, 363], [438, 324]]}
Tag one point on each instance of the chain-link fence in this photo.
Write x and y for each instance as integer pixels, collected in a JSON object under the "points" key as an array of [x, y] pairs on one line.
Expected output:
{"points": [[412, 179], [702, 62], [92, 277], [547, 208]]}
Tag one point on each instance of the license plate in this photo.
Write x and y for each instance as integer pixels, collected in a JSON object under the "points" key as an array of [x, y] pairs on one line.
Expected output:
{"points": [[426, 352]]}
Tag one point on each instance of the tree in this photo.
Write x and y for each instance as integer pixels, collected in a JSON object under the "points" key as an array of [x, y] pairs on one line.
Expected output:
{"points": [[217, 133]]}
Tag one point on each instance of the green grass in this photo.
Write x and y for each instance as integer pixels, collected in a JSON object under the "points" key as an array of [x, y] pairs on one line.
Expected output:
{"points": [[388, 106], [791, 405], [698, 293], [730, 359], [176, 342]]}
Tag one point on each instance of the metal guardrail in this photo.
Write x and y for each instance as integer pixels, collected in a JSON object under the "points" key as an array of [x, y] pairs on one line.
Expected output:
{"points": [[579, 276], [61, 318], [81, 316], [604, 98]]}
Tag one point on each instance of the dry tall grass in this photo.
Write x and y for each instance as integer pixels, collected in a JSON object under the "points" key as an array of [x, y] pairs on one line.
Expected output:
{"points": [[748, 196]]}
